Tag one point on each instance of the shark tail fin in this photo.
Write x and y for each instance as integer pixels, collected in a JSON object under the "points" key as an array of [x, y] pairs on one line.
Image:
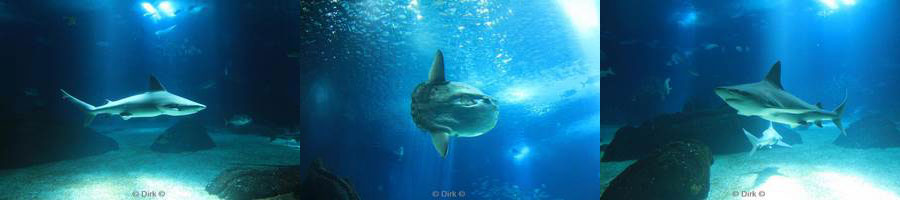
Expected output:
{"points": [[753, 141], [87, 108], [838, 112]]}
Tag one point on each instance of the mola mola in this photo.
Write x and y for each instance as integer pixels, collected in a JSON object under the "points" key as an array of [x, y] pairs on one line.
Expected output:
{"points": [[156, 101], [444, 108], [769, 100]]}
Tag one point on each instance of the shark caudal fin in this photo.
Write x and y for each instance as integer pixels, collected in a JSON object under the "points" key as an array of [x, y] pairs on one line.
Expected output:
{"points": [[838, 112], [753, 141], [85, 107]]}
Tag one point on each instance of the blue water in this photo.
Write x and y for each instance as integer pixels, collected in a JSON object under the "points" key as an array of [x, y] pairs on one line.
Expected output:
{"points": [[340, 73]]}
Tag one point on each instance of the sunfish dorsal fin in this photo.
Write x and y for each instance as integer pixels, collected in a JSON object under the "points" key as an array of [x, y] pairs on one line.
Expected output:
{"points": [[437, 69], [774, 76], [155, 85]]}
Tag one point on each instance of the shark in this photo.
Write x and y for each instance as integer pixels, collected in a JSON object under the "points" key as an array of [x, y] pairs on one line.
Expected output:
{"points": [[155, 102], [768, 100], [769, 137], [446, 108]]}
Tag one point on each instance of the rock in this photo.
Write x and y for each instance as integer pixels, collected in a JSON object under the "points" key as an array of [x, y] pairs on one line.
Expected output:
{"points": [[872, 131], [677, 171], [27, 141], [185, 136], [249, 183], [718, 128], [322, 184]]}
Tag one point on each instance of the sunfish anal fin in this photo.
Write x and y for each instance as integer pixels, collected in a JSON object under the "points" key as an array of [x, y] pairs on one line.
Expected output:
{"points": [[441, 143]]}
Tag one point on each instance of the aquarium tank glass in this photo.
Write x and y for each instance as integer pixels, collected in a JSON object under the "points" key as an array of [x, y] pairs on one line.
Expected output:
{"points": [[326, 99]]}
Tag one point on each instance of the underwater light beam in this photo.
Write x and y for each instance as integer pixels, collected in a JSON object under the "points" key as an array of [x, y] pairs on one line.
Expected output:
{"points": [[167, 8], [583, 13], [149, 8], [831, 4]]}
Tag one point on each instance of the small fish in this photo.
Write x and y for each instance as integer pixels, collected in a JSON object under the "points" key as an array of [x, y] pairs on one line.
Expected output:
{"points": [[667, 86], [288, 139], [693, 73], [70, 20], [208, 84], [399, 153], [31, 92], [165, 31], [293, 54], [102, 44], [568, 93], [711, 46], [608, 72], [739, 49], [238, 120]]}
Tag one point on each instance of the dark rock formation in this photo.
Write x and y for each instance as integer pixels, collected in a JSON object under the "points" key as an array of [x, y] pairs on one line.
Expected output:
{"points": [[248, 183], [282, 183], [322, 184], [676, 171], [719, 128], [186, 135], [873, 131], [31, 140]]}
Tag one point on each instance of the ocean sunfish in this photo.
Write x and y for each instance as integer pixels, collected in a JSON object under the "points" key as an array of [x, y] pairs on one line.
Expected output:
{"points": [[444, 108]]}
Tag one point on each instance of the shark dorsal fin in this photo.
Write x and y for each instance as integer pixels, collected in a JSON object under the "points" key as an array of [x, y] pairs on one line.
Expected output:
{"points": [[774, 76], [819, 105], [155, 85], [437, 69]]}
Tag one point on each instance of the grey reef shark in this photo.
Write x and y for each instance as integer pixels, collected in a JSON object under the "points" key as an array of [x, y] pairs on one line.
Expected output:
{"points": [[768, 100], [154, 102]]}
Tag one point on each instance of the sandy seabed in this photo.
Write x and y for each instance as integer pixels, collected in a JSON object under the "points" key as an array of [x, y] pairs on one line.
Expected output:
{"points": [[816, 169], [136, 172]]}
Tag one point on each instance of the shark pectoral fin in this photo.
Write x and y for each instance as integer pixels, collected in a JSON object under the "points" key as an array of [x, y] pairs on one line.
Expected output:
{"points": [[441, 143], [819, 123], [794, 125], [125, 115], [781, 143], [89, 119]]}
